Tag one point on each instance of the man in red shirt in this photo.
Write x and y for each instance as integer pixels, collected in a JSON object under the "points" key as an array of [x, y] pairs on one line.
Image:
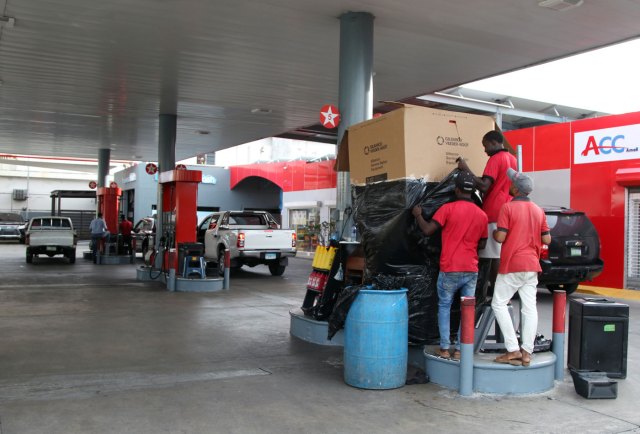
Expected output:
{"points": [[125, 230], [464, 230], [522, 229], [494, 186]]}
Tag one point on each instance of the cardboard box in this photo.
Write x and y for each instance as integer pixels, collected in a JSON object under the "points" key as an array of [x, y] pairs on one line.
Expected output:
{"points": [[413, 141]]}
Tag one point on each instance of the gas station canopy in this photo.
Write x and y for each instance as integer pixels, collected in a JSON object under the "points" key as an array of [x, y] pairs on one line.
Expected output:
{"points": [[80, 75]]}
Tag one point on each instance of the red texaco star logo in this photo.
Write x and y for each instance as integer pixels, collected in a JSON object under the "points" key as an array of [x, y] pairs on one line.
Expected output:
{"points": [[329, 116]]}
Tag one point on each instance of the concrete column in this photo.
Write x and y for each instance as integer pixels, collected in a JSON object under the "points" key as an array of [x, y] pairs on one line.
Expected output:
{"points": [[166, 161], [104, 156], [356, 90]]}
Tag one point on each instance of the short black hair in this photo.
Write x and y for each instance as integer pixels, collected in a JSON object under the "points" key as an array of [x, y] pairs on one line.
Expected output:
{"points": [[494, 136], [99, 214]]}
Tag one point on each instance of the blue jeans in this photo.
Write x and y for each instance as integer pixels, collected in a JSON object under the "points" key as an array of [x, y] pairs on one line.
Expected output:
{"points": [[448, 286]]}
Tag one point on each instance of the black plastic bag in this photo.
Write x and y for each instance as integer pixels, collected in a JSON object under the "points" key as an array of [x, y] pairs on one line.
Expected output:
{"points": [[341, 308]]}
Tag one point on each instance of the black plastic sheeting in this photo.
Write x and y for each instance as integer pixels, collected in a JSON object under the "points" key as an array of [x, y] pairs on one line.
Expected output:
{"points": [[397, 253]]}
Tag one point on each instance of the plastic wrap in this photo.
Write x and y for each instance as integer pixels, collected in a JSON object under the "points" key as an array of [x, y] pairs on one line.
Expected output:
{"points": [[422, 294], [389, 233], [341, 308], [397, 252]]}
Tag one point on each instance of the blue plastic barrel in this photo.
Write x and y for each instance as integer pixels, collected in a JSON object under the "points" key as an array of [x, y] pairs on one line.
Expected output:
{"points": [[376, 340]]}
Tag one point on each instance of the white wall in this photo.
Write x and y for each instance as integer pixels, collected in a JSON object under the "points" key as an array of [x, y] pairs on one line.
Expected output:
{"points": [[551, 187], [324, 199], [272, 148], [39, 191]]}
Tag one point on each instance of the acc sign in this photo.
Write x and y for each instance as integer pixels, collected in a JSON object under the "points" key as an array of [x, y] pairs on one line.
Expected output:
{"points": [[329, 116], [608, 144], [93, 184], [181, 167], [151, 168]]}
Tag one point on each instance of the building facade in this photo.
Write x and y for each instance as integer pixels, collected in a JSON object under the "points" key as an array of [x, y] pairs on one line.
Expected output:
{"points": [[592, 165]]}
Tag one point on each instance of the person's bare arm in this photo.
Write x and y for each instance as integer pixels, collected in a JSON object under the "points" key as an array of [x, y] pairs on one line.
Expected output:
{"points": [[482, 184], [500, 235], [546, 239], [427, 227], [482, 243]]}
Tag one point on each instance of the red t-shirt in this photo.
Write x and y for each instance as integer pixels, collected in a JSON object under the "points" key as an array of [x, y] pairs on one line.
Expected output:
{"points": [[126, 227], [525, 223], [463, 224], [498, 193]]}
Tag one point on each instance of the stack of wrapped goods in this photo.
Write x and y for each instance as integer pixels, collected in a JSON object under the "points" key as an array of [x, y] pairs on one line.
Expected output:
{"points": [[402, 159]]}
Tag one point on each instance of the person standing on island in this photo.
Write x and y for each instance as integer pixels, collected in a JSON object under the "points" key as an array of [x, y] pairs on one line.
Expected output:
{"points": [[494, 186], [464, 230], [522, 230]]}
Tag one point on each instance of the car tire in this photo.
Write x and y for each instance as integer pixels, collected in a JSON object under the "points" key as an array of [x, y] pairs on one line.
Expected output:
{"points": [[569, 288], [29, 257], [221, 262], [72, 256], [277, 269]]}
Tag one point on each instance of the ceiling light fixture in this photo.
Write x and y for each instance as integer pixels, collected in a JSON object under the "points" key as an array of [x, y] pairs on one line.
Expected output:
{"points": [[7, 21], [560, 5], [261, 110]]}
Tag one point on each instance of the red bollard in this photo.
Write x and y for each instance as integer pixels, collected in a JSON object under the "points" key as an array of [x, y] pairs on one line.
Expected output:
{"points": [[559, 311], [467, 329], [227, 269], [557, 345]]}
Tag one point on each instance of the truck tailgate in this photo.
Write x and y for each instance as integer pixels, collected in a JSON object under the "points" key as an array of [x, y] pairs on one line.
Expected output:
{"points": [[51, 237], [267, 239]]}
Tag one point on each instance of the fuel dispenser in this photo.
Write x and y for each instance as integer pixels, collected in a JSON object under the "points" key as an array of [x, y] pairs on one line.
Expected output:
{"points": [[108, 204], [182, 253]]}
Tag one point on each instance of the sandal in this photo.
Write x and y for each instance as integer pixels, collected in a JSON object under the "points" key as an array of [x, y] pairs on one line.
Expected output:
{"points": [[526, 358], [512, 358], [456, 355], [444, 354]]}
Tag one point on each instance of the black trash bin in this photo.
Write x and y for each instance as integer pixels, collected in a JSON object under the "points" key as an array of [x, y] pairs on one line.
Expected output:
{"points": [[598, 334]]}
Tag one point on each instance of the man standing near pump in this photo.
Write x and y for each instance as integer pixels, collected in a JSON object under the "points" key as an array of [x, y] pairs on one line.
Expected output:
{"points": [[494, 186]]}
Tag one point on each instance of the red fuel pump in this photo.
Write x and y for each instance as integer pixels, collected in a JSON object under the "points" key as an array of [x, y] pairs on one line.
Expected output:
{"points": [[179, 211], [108, 203]]}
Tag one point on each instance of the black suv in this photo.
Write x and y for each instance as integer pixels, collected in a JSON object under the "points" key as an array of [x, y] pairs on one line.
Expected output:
{"points": [[574, 253]]}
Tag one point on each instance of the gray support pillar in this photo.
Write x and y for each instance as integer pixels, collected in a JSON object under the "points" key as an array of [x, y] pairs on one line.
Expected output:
{"points": [[104, 156], [166, 161], [356, 90]]}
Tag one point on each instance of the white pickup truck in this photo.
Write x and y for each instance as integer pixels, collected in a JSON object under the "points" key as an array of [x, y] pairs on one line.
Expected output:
{"points": [[252, 237], [51, 235]]}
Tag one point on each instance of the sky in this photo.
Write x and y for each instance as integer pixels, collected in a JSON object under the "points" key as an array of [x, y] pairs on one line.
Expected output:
{"points": [[605, 80]]}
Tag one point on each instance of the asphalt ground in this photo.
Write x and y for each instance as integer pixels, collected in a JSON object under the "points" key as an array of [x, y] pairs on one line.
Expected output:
{"points": [[88, 349]]}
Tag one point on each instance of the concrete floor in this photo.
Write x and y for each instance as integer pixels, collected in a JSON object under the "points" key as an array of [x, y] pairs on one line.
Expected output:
{"points": [[88, 349]]}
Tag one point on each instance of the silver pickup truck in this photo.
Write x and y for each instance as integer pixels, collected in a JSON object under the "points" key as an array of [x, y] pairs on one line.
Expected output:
{"points": [[252, 237], [51, 235]]}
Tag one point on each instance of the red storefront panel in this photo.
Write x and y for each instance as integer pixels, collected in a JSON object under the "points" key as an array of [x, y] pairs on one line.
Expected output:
{"points": [[597, 187], [551, 150], [290, 175], [523, 138]]}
